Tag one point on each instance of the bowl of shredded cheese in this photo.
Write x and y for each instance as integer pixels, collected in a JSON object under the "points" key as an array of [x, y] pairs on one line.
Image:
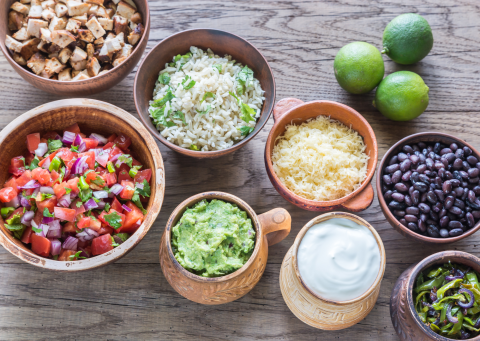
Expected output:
{"points": [[321, 155]]}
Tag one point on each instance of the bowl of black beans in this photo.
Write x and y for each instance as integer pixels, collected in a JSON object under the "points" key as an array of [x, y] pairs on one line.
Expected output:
{"points": [[428, 186]]}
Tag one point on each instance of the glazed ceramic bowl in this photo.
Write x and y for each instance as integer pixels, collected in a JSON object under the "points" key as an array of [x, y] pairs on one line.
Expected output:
{"points": [[405, 320], [395, 149], [271, 227], [78, 88], [91, 116], [221, 43], [317, 311], [295, 111]]}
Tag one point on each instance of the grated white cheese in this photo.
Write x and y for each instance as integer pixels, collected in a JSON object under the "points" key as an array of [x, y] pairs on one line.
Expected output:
{"points": [[321, 159]]}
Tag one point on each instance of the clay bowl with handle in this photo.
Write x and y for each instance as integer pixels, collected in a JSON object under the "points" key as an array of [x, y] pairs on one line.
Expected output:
{"points": [[405, 319], [315, 310], [271, 227], [92, 116], [394, 150], [221, 43], [294, 111], [85, 87]]}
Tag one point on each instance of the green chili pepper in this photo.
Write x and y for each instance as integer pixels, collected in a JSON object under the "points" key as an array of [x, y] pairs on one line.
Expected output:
{"points": [[437, 305], [55, 164], [420, 280], [443, 314], [83, 184], [5, 211], [469, 320], [434, 327], [420, 296], [435, 272], [471, 328], [428, 285], [445, 329], [133, 171], [450, 285], [110, 167], [457, 326], [474, 310], [423, 317], [472, 277]]}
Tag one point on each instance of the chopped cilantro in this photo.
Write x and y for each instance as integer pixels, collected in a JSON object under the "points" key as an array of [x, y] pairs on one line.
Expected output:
{"points": [[209, 107], [248, 114], [44, 196], [194, 147], [35, 229], [114, 220], [114, 244], [145, 192], [244, 78], [188, 83], [208, 95], [245, 130], [107, 207], [78, 204], [122, 236], [164, 78], [125, 158], [46, 213], [67, 190], [77, 256], [54, 145], [232, 94], [99, 181], [85, 194], [74, 149], [34, 163], [218, 67], [158, 103], [180, 115]]}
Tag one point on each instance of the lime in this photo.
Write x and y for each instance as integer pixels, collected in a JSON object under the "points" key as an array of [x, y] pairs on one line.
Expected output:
{"points": [[407, 39], [402, 96], [359, 67]]}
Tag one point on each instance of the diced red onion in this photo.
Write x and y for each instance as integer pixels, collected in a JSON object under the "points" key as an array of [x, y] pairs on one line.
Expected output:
{"points": [[35, 192], [471, 298], [65, 201], [27, 218], [47, 163], [55, 230], [139, 185], [101, 205], [82, 147], [99, 138], [84, 236], [92, 232], [67, 173], [84, 253], [57, 137], [47, 190], [70, 243], [47, 220], [451, 318], [41, 149], [126, 208], [115, 157], [116, 189], [100, 194], [24, 202], [68, 138], [44, 228], [102, 157], [77, 140], [90, 205], [56, 247], [15, 202], [30, 185], [80, 165]]}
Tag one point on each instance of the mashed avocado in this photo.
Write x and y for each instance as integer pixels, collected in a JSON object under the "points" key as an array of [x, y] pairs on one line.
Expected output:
{"points": [[213, 238]]}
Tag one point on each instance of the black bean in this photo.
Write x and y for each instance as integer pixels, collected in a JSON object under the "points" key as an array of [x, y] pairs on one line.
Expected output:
{"points": [[476, 190], [473, 180], [458, 191], [455, 224], [463, 174], [438, 183], [442, 213], [401, 187], [476, 214], [450, 157], [473, 172], [423, 217], [455, 183], [403, 222], [397, 205], [444, 221], [412, 210], [420, 186], [440, 195], [387, 179], [393, 160], [434, 216], [444, 233], [447, 187], [424, 178], [478, 165], [455, 232], [408, 200], [399, 213], [470, 219], [422, 226], [429, 163], [459, 203], [397, 176], [459, 153], [415, 159], [448, 175], [437, 147], [453, 147], [388, 195], [465, 166], [445, 151], [407, 149], [457, 164], [411, 218], [412, 226], [433, 231], [398, 197], [437, 207], [423, 197], [456, 175], [421, 168], [455, 210], [443, 161], [416, 148], [392, 168], [473, 205], [449, 201], [472, 160], [432, 186], [402, 157], [406, 176], [405, 165], [415, 197], [424, 208], [467, 151], [471, 196], [461, 214], [415, 177]]}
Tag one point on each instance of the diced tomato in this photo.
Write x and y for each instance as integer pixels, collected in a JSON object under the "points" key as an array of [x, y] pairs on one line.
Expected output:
{"points": [[17, 165], [133, 219], [102, 244], [116, 205], [83, 222], [50, 157], [43, 140], [33, 141], [47, 203], [111, 179], [27, 235], [115, 151], [60, 189], [122, 173], [90, 159], [24, 178], [95, 224], [73, 185], [83, 244], [41, 245], [55, 176], [128, 190], [41, 175], [65, 255], [74, 128], [135, 162], [12, 182], [7, 194], [93, 178], [90, 143], [70, 228], [101, 217], [16, 171], [67, 214], [145, 174], [108, 146], [78, 210], [105, 230], [123, 141], [66, 155], [38, 217], [112, 138]]}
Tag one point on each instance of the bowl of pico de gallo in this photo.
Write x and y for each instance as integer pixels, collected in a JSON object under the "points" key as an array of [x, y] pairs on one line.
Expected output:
{"points": [[81, 183]]}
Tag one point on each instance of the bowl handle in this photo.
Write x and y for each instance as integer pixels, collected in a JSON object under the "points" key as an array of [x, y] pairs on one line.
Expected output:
{"points": [[276, 225], [285, 105], [361, 201]]}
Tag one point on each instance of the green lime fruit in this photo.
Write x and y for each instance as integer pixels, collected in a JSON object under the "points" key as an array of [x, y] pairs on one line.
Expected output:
{"points": [[407, 39], [359, 67], [402, 96]]}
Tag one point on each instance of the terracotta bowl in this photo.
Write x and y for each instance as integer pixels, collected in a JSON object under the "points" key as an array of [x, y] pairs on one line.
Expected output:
{"points": [[78, 88], [291, 110], [395, 149], [221, 43], [405, 320], [317, 311], [271, 227], [91, 116]]}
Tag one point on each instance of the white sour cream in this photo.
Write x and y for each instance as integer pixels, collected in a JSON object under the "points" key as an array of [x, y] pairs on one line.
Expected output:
{"points": [[338, 259]]}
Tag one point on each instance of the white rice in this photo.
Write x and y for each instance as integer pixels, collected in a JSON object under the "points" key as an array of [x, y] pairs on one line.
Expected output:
{"points": [[219, 128]]}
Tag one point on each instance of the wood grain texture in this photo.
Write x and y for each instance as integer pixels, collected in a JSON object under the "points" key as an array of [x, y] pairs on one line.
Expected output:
{"points": [[131, 300]]}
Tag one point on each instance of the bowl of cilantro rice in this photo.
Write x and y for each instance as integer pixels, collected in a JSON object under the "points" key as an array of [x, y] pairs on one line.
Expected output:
{"points": [[204, 93]]}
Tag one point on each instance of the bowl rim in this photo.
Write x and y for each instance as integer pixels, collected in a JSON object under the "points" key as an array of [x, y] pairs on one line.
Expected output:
{"points": [[436, 258], [358, 220], [27, 73], [324, 204], [200, 154], [383, 204], [157, 201], [227, 197]]}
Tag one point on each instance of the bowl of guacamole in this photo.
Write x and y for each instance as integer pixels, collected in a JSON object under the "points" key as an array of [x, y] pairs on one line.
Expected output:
{"points": [[213, 238]]}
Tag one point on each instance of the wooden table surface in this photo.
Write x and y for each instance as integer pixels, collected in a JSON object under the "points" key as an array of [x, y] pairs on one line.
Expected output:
{"points": [[131, 299]]}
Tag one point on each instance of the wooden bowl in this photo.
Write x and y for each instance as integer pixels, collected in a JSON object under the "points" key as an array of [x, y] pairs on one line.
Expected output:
{"points": [[91, 116], [271, 227], [221, 43], [291, 110], [395, 149], [405, 320], [78, 88], [317, 311]]}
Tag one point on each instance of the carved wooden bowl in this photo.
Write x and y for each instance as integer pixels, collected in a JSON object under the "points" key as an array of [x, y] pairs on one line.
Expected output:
{"points": [[84, 87], [405, 320], [221, 43], [271, 227], [395, 149], [319, 312], [292, 110], [91, 116]]}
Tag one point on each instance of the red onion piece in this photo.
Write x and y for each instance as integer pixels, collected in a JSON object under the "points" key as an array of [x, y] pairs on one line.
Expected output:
{"points": [[102, 157], [41, 149], [92, 232], [100, 194], [115, 157], [116, 189], [68, 138], [65, 201], [90, 205], [70, 243], [126, 208], [27, 218], [15, 202], [77, 140], [56, 247], [46, 164], [84, 253], [84, 236], [47, 220], [80, 165], [101, 205], [24, 201], [44, 228], [471, 298], [55, 229], [82, 147], [46, 189], [139, 185], [99, 138], [30, 185], [35, 192], [449, 314]]}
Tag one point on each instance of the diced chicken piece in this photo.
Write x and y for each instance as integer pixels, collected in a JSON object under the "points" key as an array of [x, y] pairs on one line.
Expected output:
{"points": [[93, 67], [21, 34], [113, 45], [57, 24], [82, 18], [15, 21], [104, 56], [73, 25], [46, 35], [102, 13], [65, 75], [78, 55], [20, 8], [121, 38], [48, 4], [48, 14], [133, 26], [85, 35], [62, 38], [94, 26], [93, 10], [75, 72], [36, 2], [110, 35], [65, 55], [13, 44], [136, 18], [37, 63], [17, 57], [35, 12], [90, 50], [125, 10], [54, 66], [107, 24], [60, 10], [29, 48], [34, 26], [43, 46], [80, 65], [131, 3], [110, 12], [76, 8], [95, 2], [54, 49], [46, 74], [135, 35], [120, 24], [126, 51], [99, 43], [119, 61], [53, 55], [81, 76]]}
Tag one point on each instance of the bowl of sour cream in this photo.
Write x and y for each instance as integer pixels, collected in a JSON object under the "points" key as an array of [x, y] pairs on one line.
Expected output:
{"points": [[330, 277]]}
